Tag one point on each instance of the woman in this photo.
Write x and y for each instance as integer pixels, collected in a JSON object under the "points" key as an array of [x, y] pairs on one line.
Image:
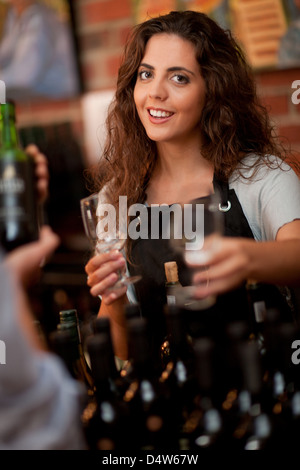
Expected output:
{"points": [[186, 121]]}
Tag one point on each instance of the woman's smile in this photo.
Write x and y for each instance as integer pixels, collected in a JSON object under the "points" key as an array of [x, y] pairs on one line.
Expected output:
{"points": [[157, 115]]}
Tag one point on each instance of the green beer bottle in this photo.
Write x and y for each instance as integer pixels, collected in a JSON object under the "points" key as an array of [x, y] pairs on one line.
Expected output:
{"points": [[18, 206]]}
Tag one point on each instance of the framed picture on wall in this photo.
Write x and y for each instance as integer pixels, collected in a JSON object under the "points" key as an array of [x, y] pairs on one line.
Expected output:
{"points": [[38, 53], [268, 30]]}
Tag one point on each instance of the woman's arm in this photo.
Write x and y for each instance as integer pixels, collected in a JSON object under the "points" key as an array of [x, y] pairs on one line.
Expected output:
{"points": [[102, 275], [239, 259], [115, 311]]}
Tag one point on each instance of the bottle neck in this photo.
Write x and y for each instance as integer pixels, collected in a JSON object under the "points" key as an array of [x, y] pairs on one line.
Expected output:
{"points": [[105, 390], [9, 136]]}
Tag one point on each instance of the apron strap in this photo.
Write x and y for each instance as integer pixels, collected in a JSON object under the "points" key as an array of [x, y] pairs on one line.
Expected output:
{"points": [[222, 188]]}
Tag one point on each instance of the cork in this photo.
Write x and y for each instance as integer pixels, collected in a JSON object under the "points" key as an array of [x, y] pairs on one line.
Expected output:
{"points": [[171, 271]]}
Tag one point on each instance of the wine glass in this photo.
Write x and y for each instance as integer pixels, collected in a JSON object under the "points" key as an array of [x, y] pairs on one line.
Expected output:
{"points": [[195, 234], [106, 231]]}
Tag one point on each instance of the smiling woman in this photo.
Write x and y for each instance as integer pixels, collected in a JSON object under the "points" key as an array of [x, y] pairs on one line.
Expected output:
{"points": [[186, 122]]}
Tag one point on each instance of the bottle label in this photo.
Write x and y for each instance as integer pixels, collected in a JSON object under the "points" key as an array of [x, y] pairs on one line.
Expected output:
{"points": [[10, 182], [259, 311], [171, 299], [18, 212]]}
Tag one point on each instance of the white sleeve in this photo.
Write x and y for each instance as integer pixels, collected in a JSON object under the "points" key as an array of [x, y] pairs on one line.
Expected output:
{"points": [[280, 200], [270, 200], [40, 404]]}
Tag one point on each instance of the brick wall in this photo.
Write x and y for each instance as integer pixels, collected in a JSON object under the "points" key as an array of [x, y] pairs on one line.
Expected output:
{"points": [[275, 90], [102, 28]]}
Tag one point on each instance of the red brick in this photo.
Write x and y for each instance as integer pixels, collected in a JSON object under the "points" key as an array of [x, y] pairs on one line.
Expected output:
{"points": [[296, 107], [294, 161], [291, 132], [124, 34], [278, 77], [88, 71], [44, 105], [276, 105], [106, 10], [112, 65], [94, 40]]}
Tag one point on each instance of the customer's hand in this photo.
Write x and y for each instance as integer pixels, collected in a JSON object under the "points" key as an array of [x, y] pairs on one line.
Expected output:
{"points": [[41, 171], [27, 260]]}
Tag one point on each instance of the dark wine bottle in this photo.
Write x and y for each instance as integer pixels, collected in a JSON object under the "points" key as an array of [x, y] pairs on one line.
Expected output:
{"points": [[131, 311], [257, 312], [102, 325], [70, 348], [205, 423], [255, 428], [172, 282], [18, 198], [177, 377], [150, 412], [106, 426]]}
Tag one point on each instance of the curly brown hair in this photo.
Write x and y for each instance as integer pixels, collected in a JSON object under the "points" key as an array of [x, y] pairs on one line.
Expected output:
{"points": [[233, 122]]}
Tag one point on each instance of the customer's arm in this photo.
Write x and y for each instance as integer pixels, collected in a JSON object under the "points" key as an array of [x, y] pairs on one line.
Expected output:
{"points": [[40, 403]]}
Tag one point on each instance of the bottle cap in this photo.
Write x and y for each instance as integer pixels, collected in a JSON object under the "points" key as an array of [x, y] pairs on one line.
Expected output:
{"points": [[68, 315], [171, 271], [101, 324]]}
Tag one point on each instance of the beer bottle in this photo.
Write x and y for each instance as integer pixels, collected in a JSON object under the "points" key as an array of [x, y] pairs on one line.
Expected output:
{"points": [[18, 205]]}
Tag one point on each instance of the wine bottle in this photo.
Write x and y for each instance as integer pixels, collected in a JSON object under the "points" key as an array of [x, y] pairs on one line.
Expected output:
{"points": [[257, 312], [205, 423], [172, 281], [150, 412], [106, 426], [70, 348], [131, 311], [255, 428], [18, 199], [102, 325], [178, 378], [281, 381]]}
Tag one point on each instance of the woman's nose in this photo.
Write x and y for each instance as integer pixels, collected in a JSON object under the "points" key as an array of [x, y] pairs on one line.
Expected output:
{"points": [[158, 90]]}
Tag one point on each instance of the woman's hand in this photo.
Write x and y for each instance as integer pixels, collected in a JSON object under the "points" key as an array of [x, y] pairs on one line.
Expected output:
{"points": [[239, 259], [228, 268], [102, 271], [41, 171]]}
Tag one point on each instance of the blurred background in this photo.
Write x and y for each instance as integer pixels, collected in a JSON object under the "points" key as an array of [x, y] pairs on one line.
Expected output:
{"points": [[85, 39]]}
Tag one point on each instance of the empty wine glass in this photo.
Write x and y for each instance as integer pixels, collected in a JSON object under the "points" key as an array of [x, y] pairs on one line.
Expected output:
{"points": [[196, 231], [105, 231]]}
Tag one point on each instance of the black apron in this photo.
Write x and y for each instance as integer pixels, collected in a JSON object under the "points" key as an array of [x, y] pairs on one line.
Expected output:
{"points": [[148, 257]]}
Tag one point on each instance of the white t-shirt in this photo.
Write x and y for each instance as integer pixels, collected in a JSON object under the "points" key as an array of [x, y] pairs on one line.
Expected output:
{"points": [[270, 200]]}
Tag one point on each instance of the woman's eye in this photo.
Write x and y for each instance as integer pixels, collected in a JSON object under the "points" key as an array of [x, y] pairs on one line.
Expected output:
{"points": [[180, 79], [144, 75]]}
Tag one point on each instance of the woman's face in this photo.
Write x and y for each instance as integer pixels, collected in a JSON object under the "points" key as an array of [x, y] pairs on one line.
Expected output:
{"points": [[170, 92]]}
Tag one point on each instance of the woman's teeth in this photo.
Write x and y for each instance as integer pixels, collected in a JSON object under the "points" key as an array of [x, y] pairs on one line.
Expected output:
{"points": [[159, 114]]}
